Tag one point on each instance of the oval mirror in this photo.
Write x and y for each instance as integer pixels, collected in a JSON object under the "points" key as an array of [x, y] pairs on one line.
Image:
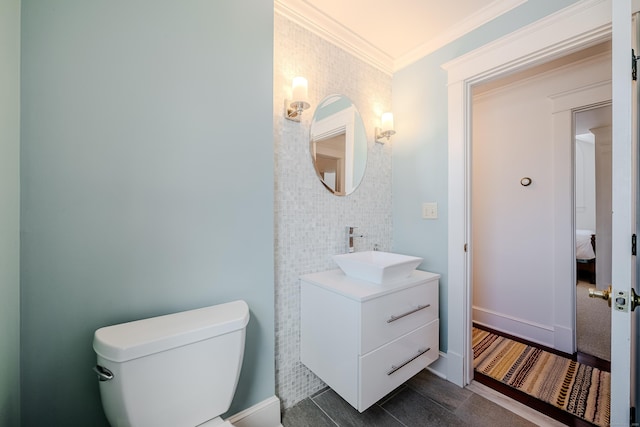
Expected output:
{"points": [[338, 144]]}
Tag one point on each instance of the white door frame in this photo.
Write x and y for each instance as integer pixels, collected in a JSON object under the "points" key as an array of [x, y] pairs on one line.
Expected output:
{"points": [[581, 25]]}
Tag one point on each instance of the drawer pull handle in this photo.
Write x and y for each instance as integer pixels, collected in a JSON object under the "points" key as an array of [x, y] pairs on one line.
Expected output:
{"points": [[420, 307], [395, 368]]}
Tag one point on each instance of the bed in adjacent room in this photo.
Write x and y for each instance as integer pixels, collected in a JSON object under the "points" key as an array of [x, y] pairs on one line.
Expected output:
{"points": [[586, 255]]}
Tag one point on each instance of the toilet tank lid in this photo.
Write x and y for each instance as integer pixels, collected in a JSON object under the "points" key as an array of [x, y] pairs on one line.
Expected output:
{"points": [[139, 338]]}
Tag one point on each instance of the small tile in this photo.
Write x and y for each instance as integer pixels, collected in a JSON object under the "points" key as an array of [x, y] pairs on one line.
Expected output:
{"points": [[306, 414], [413, 409], [442, 391], [346, 415], [310, 221], [478, 411]]}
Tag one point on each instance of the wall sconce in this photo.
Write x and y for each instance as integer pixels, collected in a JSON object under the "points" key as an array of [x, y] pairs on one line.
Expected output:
{"points": [[294, 107], [386, 128]]}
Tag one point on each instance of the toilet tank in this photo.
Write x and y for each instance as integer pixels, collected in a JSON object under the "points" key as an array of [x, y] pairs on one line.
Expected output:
{"points": [[175, 370]]}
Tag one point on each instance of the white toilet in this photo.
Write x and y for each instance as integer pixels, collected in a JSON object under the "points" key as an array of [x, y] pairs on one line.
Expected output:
{"points": [[175, 370]]}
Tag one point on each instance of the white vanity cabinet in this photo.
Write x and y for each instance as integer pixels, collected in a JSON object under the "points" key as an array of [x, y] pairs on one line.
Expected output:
{"points": [[364, 339]]}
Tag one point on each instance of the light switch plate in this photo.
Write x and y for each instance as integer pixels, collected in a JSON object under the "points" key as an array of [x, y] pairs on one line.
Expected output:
{"points": [[430, 210]]}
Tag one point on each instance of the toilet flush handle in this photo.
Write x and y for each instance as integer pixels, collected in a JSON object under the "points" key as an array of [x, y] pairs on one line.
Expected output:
{"points": [[103, 373]]}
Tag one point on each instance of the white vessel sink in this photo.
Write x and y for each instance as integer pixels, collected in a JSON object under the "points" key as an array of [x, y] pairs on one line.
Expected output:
{"points": [[376, 266]]}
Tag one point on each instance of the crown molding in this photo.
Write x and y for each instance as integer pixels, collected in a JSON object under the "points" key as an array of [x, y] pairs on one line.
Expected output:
{"points": [[484, 15], [593, 15], [310, 18]]}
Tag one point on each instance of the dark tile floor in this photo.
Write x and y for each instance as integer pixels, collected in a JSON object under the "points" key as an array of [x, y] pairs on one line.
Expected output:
{"points": [[425, 400]]}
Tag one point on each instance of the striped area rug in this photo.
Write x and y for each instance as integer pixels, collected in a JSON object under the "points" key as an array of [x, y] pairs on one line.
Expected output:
{"points": [[578, 389]]}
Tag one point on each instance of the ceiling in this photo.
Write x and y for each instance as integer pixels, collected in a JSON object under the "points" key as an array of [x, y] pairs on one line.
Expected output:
{"points": [[391, 34]]}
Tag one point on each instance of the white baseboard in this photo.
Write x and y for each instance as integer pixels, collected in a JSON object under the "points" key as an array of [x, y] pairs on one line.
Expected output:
{"points": [[563, 339], [448, 367], [439, 367], [535, 332], [262, 414]]}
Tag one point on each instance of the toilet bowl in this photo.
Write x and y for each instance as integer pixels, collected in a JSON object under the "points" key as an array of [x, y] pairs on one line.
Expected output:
{"points": [[180, 369]]}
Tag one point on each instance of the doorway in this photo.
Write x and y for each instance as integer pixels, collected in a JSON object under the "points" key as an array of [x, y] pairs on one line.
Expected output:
{"points": [[573, 28], [592, 130], [522, 196], [522, 207]]}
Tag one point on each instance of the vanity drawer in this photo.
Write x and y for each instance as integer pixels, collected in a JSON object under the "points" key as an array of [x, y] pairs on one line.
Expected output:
{"points": [[393, 315], [391, 365]]}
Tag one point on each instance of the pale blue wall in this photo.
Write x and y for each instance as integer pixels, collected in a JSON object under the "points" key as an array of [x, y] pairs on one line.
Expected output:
{"points": [[9, 212], [147, 177], [420, 144]]}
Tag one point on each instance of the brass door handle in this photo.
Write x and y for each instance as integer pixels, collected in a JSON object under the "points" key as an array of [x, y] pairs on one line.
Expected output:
{"points": [[621, 298], [604, 294]]}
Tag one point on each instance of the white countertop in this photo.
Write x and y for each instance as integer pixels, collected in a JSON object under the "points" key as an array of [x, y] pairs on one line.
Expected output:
{"points": [[360, 290]]}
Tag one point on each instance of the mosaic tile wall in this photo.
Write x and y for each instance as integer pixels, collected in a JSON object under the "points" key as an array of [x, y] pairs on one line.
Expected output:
{"points": [[310, 221]]}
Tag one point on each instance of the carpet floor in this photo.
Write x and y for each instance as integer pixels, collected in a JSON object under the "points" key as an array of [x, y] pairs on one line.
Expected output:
{"points": [[578, 389], [593, 323]]}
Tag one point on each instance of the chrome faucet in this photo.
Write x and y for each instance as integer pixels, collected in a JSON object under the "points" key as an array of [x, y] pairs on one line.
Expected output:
{"points": [[350, 237]]}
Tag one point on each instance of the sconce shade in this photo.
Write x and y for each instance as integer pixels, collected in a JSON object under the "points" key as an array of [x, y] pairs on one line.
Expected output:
{"points": [[384, 132], [387, 122], [299, 89], [294, 107]]}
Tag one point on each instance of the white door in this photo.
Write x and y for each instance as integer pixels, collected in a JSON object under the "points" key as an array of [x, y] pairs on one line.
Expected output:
{"points": [[623, 218]]}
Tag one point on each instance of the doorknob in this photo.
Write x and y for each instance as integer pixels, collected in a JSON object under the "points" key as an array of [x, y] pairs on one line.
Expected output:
{"points": [[604, 294], [621, 300]]}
